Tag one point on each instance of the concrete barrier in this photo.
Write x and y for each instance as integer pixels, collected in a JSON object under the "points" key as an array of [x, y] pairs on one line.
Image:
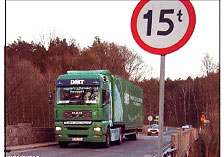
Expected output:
{"points": [[24, 133]]}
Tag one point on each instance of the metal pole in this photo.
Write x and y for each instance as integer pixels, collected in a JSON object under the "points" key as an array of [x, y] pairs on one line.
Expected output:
{"points": [[161, 105]]}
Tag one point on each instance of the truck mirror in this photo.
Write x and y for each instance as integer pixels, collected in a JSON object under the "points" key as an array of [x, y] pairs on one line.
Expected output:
{"points": [[50, 98], [50, 101]]}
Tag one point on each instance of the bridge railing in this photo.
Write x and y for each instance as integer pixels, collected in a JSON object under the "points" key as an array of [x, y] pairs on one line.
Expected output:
{"points": [[182, 140]]}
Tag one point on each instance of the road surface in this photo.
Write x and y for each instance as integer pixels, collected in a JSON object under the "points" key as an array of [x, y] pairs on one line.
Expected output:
{"points": [[145, 146]]}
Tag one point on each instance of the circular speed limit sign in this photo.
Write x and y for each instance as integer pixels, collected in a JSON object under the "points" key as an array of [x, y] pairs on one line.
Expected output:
{"points": [[162, 27], [150, 118]]}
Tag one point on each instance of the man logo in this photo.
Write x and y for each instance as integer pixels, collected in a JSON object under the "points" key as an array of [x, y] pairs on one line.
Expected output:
{"points": [[76, 112], [72, 82]]}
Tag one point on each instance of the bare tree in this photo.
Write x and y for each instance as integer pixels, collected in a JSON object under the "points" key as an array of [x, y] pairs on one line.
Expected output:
{"points": [[208, 65], [184, 94]]}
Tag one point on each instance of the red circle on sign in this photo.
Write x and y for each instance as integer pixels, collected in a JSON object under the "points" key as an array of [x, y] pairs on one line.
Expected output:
{"points": [[167, 50]]}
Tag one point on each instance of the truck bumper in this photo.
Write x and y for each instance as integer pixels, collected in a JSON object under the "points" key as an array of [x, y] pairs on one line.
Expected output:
{"points": [[80, 133]]}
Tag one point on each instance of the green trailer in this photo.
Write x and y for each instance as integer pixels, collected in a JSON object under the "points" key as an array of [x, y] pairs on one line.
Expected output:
{"points": [[96, 106]]}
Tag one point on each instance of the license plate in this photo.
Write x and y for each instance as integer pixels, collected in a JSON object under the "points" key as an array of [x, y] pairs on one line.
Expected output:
{"points": [[77, 139]]}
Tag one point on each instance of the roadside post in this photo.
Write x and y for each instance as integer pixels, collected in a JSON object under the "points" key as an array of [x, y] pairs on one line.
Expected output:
{"points": [[162, 27]]}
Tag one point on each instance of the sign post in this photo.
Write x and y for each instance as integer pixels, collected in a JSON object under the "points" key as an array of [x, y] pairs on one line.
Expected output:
{"points": [[162, 27], [150, 119], [161, 104]]}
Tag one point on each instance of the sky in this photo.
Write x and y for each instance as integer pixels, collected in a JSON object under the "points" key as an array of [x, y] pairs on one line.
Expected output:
{"points": [[110, 20]]}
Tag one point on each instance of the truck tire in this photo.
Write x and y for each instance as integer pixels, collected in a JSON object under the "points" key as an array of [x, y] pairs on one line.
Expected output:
{"points": [[119, 142], [132, 137], [106, 144], [63, 144]]}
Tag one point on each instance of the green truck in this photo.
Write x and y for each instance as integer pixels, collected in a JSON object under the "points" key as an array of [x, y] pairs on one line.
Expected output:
{"points": [[96, 106]]}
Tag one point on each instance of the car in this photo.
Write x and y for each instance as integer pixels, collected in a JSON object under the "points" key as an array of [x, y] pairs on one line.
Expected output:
{"points": [[153, 130], [188, 126], [185, 127]]}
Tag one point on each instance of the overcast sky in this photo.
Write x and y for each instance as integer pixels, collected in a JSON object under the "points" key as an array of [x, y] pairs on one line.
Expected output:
{"points": [[110, 20]]}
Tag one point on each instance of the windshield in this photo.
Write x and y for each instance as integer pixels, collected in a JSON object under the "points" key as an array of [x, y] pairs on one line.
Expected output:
{"points": [[84, 95], [154, 126]]}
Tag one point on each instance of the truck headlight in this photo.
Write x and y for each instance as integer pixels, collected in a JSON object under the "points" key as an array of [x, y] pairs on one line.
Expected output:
{"points": [[58, 128], [97, 128]]}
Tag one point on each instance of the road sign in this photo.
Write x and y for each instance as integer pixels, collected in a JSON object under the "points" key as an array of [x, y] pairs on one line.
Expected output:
{"points": [[150, 118], [203, 118], [162, 27]]}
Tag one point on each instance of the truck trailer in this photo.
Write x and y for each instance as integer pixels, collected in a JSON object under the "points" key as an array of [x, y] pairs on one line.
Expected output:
{"points": [[96, 106]]}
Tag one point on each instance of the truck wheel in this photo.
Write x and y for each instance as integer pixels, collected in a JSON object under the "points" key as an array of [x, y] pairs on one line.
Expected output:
{"points": [[63, 144], [106, 144], [118, 142], [132, 137]]}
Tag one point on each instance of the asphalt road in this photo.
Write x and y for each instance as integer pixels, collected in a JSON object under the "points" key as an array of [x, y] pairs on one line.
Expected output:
{"points": [[145, 146]]}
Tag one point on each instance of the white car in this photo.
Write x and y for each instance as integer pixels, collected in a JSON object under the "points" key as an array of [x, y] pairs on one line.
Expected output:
{"points": [[153, 130], [186, 126]]}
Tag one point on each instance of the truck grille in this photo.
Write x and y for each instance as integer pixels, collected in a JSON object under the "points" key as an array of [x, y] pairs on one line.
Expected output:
{"points": [[77, 114], [77, 128], [77, 135]]}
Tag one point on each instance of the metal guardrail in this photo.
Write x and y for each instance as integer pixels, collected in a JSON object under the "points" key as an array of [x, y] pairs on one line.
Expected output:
{"points": [[168, 151]]}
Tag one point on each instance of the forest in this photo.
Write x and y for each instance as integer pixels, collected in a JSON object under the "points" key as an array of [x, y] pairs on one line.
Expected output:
{"points": [[31, 70]]}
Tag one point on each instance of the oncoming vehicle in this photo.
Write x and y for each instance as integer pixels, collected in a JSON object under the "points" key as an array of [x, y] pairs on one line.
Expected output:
{"points": [[188, 126], [153, 130], [96, 106]]}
